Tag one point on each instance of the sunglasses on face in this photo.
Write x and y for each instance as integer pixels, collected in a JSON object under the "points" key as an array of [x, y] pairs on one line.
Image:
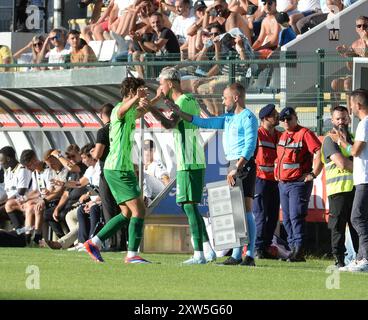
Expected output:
{"points": [[57, 37], [285, 118], [214, 34], [38, 44], [362, 26]]}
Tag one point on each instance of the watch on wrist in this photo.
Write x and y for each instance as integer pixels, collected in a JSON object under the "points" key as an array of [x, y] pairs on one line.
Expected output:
{"points": [[313, 175]]}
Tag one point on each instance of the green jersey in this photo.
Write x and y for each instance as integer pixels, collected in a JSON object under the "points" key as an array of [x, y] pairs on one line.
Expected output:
{"points": [[189, 148], [121, 137]]}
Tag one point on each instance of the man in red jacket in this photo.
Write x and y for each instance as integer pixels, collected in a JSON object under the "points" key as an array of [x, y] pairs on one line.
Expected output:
{"points": [[266, 204], [298, 162]]}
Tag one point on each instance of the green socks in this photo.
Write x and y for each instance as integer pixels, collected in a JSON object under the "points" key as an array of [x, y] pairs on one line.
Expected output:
{"points": [[135, 233], [196, 225], [113, 226]]}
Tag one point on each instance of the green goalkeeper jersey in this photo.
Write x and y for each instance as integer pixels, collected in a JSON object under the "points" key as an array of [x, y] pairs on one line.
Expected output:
{"points": [[121, 137], [189, 146]]}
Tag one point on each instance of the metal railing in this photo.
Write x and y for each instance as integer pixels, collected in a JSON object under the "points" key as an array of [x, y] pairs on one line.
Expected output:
{"points": [[301, 80]]}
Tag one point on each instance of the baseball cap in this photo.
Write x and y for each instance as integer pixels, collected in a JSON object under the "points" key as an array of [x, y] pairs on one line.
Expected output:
{"points": [[287, 112], [170, 73], [199, 5], [266, 110]]}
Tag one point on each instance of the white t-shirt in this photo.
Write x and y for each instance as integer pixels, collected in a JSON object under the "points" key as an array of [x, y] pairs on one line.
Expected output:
{"points": [[43, 180], [55, 56], [181, 25], [93, 175], [156, 169], [18, 178], [307, 5], [152, 186], [360, 163]]}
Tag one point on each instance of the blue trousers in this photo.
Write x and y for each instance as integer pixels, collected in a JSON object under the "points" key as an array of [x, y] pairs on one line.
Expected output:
{"points": [[294, 198], [88, 222], [266, 207]]}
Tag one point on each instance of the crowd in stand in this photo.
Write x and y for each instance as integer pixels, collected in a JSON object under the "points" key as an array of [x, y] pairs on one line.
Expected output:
{"points": [[66, 191], [174, 30]]}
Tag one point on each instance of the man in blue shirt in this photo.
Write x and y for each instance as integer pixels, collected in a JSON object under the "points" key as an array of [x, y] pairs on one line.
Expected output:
{"points": [[287, 33], [240, 127]]}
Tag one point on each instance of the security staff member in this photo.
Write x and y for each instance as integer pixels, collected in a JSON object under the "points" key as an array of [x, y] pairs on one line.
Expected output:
{"points": [[339, 185], [295, 170], [266, 203]]}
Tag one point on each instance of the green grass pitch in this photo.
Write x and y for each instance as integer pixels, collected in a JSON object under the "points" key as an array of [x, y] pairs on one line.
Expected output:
{"points": [[73, 275]]}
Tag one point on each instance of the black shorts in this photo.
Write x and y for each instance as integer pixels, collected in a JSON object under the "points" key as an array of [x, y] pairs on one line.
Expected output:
{"points": [[246, 177]]}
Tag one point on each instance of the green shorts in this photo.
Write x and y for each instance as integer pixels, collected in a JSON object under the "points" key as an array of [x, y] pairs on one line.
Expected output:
{"points": [[123, 185], [189, 185]]}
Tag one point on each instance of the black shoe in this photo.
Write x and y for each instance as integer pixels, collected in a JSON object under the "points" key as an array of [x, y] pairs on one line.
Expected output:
{"points": [[231, 262], [248, 261], [265, 254], [297, 255], [339, 261]]}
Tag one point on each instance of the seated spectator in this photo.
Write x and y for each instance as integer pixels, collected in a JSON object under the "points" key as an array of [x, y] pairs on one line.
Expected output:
{"points": [[183, 21], [288, 6], [6, 57], [66, 241], [329, 10], [73, 156], [96, 29], [45, 194], [152, 186], [35, 45], [17, 181], [305, 8], [194, 32], [287, 33], [270, 29], [163, 44], [72, 160], [127, 16], [206, 53], [231, 45], [81, 52], [357, 49], [219, 12], [153, 167], [56, 216], [61, 51]]}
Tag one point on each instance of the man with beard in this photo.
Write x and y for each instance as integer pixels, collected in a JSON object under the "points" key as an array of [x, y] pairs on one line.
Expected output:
{"points": [[359, 150], [339, 185]]}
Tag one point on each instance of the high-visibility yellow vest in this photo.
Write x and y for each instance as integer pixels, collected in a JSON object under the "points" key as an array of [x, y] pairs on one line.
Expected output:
{"points": [[337, 180]]}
